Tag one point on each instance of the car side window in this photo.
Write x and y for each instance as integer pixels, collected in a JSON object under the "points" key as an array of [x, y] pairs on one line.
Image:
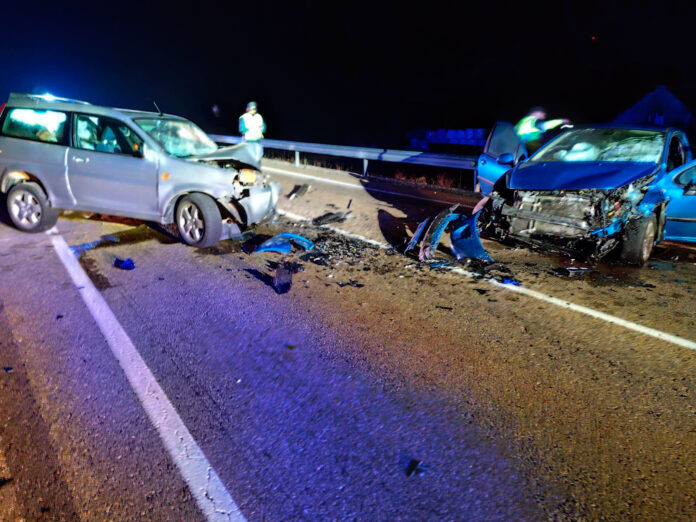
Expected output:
{"points": [[103, 134], [686, 177], [676, 156], [34, 124]]}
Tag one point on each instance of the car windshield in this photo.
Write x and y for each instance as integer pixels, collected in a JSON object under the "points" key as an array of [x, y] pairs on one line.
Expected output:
{"points": [[179, 138], [604, 145]]}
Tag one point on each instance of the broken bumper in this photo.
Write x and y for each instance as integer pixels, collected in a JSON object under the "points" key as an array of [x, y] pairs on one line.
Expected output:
{"points": [[260, 203]]}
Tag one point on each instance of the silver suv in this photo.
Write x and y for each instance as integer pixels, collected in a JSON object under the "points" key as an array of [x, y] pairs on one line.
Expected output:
{"points": [[66, 154]]}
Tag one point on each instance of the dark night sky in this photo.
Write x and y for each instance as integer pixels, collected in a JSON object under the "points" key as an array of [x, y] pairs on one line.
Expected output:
{"points": [[354, 72]]}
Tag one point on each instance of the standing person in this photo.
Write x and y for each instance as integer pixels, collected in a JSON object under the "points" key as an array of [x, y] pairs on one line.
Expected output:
{"points": [[251, 124], [532, 128]]}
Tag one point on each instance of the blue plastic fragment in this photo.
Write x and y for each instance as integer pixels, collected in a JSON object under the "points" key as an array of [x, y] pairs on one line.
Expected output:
{"points": [[282, 243], [437, 233], [416, 235], [511, 282], [124, 264], [439, 264], [466, 242]]}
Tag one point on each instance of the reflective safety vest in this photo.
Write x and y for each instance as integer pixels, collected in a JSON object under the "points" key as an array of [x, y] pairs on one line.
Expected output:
{"points": [[251, 126], [530, 128]]}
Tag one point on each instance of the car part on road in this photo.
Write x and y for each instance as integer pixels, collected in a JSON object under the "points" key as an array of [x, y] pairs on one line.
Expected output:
{"points": [[465, 240], [416, 235], [331, 217], [198, 220], [415, 468], [432, 236], [282, 243], [299, 191], [29, 208], [282, 281], [124, 264]]}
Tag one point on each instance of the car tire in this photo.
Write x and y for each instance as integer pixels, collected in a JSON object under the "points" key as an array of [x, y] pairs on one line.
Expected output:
{"points": [[198, 220], [29, 209], [638, 239]]}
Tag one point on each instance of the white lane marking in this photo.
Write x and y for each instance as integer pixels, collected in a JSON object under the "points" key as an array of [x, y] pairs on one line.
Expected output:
{"points": [[210, 493], [652, 332], [297, 217], [353, 186]]}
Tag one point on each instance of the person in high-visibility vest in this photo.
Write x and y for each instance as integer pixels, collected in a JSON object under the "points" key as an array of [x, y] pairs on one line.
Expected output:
{"points": [[251, 124], [533, 126]]}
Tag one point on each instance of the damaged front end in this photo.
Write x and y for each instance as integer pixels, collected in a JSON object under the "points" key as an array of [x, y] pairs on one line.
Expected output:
{"points": [[585, 222], [253, 197]]}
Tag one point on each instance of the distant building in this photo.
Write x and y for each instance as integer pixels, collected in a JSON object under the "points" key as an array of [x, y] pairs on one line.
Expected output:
{"points": [[659, 107]]}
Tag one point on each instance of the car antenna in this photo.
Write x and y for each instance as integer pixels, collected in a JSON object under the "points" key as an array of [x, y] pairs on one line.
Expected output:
{"points": [[158, 109]]}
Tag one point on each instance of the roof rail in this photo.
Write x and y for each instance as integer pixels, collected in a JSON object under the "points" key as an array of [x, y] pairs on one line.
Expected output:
{"points": [[17, 97]]}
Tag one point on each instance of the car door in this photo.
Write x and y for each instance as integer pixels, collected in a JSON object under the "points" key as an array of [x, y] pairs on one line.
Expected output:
{"points": [[106, 168], [502, 139], [680, 187]]}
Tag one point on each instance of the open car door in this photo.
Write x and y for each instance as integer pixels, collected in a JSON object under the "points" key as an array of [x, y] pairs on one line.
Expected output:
{"points": [[502, 140]]}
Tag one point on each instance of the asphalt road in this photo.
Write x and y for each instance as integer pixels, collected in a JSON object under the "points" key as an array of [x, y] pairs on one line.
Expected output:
{"points": [[375, 389]]}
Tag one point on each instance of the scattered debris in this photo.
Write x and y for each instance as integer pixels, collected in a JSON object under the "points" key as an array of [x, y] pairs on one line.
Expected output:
{"points": [[298, 191], [416, 236], [571, 271], [481, 291], [282, 243], [59, 317], [351, 282], [331, 217], [290, 346], [415, 468], [439, 264], [7, 369], [282, 281], [350, 201], [124, 264], [444, 307], [512, 282]]}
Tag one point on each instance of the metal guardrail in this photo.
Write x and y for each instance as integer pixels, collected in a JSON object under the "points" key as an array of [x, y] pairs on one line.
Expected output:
{"points": [[366, 154]]}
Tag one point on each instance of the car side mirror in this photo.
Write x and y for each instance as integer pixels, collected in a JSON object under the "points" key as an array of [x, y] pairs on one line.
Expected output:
{"points": [[506, 159]]}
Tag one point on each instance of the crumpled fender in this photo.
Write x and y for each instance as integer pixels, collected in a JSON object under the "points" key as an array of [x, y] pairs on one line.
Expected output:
{"points": [[651, 201]]}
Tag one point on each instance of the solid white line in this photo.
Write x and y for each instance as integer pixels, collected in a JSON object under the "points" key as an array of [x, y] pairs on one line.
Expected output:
{"points": [[351, 185], [210, 493], [674, 339]]}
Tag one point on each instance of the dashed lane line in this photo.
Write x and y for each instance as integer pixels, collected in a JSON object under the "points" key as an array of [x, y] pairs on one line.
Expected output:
{"points": [[210, 493], [629, 325]]}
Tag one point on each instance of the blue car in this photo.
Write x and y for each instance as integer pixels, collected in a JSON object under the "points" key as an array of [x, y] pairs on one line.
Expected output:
{"points": [[592, 189]]}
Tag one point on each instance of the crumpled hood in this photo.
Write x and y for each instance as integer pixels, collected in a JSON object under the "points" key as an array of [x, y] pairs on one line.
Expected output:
{"points": [[556, 175], [247, 154]]}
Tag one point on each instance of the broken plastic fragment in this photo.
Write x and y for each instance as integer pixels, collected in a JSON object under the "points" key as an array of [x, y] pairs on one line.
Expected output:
{"points": [[124, 264], [466, 242], [331, 217], [435, 231], [282, 243], [416, 235], [298, 191], [282, 281], [415, 468], [439, 264], [513, 282]]}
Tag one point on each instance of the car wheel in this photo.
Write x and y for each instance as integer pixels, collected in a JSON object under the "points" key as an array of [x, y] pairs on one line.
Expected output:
{"points": [[639, 239], [29, 208], [198, 220]]}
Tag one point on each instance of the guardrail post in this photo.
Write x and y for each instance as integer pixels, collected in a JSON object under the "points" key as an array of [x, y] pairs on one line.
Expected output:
{"points": [[364, 167], [297, 158]]}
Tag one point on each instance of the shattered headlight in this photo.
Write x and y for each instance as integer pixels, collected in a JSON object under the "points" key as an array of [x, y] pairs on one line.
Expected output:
{"points": [[247, 176]]}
